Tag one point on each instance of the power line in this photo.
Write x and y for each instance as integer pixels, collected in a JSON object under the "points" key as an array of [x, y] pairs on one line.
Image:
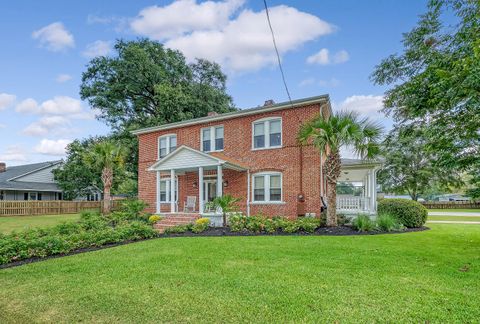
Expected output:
{"points": [[276, 51]]}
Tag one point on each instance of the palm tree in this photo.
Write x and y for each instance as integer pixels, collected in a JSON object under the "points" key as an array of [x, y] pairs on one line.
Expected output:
{"points": [[227, 203], [105, 156], [343, 129]]}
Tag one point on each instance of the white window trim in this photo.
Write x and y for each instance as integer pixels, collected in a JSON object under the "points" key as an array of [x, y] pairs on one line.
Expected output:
{"points": [[167, 188], [212, 138], [266, 189], [168, 137], [267, 121]]}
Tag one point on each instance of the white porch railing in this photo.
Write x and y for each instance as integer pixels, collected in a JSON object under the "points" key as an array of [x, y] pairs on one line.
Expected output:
{"points": [[353, 204]]}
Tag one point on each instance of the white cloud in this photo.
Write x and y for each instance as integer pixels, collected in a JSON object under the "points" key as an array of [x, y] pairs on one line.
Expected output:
{"points": [[323, 57], [306, 82], [3, 126], [46, 125], [6, 100], [28, 106], [183, 16], [14, 153], [52, 147], [240, 40], [61, 105], [61, 78], [55, 37], [363, 104], [98, 48], [341, 57]]}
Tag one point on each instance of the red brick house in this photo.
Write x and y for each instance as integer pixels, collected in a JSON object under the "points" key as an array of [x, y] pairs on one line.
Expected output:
{"points": [[252, 154]]}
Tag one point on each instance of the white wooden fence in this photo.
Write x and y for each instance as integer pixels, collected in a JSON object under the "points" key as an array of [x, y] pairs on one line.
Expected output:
{"points": [[353, 204]]}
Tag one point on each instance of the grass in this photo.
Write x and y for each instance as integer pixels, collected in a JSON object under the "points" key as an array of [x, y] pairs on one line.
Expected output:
{"points": [[454, 218], [431, 276], [456, 210], [16, 223]]}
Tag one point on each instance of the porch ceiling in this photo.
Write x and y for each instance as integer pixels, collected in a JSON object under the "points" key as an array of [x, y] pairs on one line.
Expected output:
{"points": [[185, 158]]}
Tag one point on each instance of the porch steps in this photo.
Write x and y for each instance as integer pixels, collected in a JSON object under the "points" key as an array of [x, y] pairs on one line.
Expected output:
{"points": [[172, 220]]}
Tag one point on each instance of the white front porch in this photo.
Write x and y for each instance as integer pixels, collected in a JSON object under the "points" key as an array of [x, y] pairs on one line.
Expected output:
{"points": [[357, 187], [207, 184]]}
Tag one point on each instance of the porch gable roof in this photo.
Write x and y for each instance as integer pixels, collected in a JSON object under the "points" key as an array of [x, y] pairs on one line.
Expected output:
{"points": [[185, 157]]}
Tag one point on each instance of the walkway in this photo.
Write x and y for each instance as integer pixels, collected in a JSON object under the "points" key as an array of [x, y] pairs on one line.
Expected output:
{"points": [[469, 214]]}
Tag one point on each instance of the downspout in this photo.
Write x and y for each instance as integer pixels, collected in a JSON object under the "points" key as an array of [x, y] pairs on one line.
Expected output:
{"points": [[248, 192]]}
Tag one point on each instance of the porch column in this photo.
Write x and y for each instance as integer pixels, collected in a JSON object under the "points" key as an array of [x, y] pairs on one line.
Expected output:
{"points": [[372, 189], [219, 181], [374, 182], [172, 190], [200, 190]]}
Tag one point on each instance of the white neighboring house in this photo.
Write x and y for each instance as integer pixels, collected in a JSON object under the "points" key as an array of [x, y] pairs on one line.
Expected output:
{"points": [[29, 182]]}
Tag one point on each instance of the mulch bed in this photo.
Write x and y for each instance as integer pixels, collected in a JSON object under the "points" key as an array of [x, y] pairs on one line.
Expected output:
{"points": [[218, 232], [322, 231]]}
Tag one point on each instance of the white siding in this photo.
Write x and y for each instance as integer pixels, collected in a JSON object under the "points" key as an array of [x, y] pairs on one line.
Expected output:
{"points": [[43, 176], [186, 159]]}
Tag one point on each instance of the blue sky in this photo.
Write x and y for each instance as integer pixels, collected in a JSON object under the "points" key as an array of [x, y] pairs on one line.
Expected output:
{"points": [[326, 46]]}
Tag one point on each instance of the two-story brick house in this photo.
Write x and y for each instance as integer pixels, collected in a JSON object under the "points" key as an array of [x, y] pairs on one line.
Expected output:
{"points": [[252, 154]]}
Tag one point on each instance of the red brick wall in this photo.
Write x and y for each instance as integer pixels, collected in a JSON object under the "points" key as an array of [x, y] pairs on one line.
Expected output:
{"points": [[238, 146]]}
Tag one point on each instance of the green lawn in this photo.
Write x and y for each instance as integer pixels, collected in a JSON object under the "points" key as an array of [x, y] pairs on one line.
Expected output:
{"points": [[455, 218], [429, 276], [456, 210], [11, 223]]}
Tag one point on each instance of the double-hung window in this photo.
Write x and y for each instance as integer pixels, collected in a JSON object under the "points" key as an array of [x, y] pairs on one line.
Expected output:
{"points": [[212, 139], [267, 133], [164, 194], [267, 187], [166, 145]]}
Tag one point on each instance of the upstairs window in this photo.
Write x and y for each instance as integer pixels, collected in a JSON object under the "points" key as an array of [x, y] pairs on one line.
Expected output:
{"points": [[267, 187], [166, 145], [212, 139], [267, 133]]}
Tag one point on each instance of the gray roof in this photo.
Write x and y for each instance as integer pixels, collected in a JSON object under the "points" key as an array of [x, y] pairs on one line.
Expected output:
{"points": [[7, 178], [238, 113], [355, 162]]}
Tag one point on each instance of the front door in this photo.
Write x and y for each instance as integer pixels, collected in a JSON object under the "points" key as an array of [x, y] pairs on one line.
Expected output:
{"points": [[209, 192]]}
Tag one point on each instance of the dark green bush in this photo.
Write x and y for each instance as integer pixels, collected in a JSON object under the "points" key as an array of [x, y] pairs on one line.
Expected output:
{"points": [[309, 224], [178, 229], [363, 223], [407, 212]]}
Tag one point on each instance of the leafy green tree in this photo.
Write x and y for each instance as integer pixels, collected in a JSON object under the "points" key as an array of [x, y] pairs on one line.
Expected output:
{"points": [[329, 136], [435, 82], [227, 203], [146, 84], [410, 166], [106, 156]]}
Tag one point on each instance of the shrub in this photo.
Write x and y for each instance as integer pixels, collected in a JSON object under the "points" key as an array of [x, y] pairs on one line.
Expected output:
{"points": [[237, 222], [363, 223], [154, 218], [178, 229], [255, 224], [388, 223], [291, 226], [91, 230], [200, 225], [309, 224], [407, 212], [134, 208]]}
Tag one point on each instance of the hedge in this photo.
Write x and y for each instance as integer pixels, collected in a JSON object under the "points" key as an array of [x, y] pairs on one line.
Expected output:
{"points": [[408, 212]]}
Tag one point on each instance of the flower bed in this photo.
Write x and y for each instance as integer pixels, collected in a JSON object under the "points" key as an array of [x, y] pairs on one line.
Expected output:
{"points": [[92, 230]]}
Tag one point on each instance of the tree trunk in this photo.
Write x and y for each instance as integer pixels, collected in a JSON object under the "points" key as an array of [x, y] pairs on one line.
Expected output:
{"points": [[332, 172], [107, 179], [332, 204], [106, 201]]}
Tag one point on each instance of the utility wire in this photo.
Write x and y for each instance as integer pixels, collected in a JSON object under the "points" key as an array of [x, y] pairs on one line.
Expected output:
{"points": [[276, 51]]}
